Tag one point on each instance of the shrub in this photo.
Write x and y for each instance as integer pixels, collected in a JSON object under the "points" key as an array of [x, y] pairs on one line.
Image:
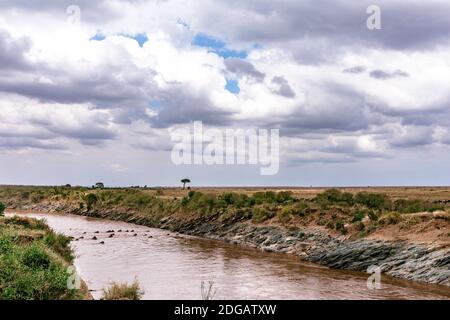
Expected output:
{"points": [[261, 214], [285, 214], [339, 226], [284, 196], [60, 244], [2, 209], [32, 269], [415, 205], [358, 216], [372, 215], [264, 197], [91, 199], [390, 218], [334, 196], [235, 199], [36, 258], [123, 291], [28, 223], [373, 200]]}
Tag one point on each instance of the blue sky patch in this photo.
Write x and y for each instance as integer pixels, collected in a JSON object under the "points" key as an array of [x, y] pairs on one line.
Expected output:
{"points": [[141, 38], [98, 37], [217, 46], [155, 104], [232, 86]]}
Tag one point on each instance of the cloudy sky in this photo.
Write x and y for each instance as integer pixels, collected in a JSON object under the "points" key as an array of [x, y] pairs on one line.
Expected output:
{"points": [[95, 99]]}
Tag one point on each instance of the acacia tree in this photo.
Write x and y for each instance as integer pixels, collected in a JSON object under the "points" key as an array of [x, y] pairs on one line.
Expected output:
{"points": [[184, 181]]}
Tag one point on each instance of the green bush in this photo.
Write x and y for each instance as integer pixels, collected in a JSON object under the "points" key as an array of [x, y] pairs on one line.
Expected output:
{"points": [[334, 196], [60, 244], [235, 199], [123, 291], [31, 269], [372, 215], [284, 197], [261, 214], [416, 205], [373, 200], [339, 226], [36, 258], [2, 209], [358, 216], [199, 202], [285, 214], [91, 199]]}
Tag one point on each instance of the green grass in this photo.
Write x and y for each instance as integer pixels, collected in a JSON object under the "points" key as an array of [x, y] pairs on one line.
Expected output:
{"points": [[123, 291], [33, 262]]}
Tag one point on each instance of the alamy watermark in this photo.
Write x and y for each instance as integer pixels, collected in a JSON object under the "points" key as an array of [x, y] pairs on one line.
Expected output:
{"points": [[196, 145], [373, 22], [73, 15], [374, 280], [73, 280]]}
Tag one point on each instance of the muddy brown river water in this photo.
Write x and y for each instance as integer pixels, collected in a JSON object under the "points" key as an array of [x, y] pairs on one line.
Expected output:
{"points": [[173, 266]]}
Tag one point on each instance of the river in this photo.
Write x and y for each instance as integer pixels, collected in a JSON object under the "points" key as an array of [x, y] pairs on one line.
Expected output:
{"points": [[172, 266]]}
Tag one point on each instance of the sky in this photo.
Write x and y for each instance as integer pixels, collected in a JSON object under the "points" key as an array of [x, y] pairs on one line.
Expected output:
{"points": [[91, 90]]}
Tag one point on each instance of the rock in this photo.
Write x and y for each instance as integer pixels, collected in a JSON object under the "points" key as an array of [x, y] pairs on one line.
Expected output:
{"points": [[102, 242], [94, 238]]}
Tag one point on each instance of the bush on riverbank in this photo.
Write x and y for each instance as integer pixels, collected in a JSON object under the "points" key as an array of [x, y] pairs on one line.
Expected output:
{"points": [[2, 209], [33, 262], [333, 209], [123, 291]]}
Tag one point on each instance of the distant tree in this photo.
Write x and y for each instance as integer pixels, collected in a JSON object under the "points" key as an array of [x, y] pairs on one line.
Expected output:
{"points": [[99, 185], [184, 181], [68, 186]]}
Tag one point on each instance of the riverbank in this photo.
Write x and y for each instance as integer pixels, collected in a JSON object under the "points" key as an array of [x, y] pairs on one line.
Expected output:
{"points": [[335, 229], [34, 263]]}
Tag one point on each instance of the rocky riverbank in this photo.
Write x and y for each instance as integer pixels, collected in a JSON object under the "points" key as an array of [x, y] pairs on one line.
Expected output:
{"points": [[402, 259]]}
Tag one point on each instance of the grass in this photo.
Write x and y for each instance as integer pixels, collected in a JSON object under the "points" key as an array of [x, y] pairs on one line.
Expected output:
{"points": [[123, 291], [33, 262]]}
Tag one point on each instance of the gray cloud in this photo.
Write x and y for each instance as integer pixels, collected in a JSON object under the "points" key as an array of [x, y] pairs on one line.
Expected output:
{"points": [[28, 142], [414, 137], [12, 52], [383, 75], [179, 105], [284, 89], [355, 70], [243, 68], [317, 34]]}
